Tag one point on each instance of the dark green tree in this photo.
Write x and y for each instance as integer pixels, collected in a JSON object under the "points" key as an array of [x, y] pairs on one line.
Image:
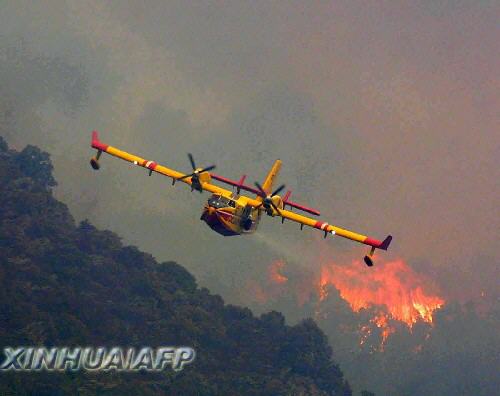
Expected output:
{"points": [[36, 164]]}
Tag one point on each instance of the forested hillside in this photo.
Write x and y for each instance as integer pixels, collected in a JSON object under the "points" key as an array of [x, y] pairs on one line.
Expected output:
{"points": [[70, 284]]}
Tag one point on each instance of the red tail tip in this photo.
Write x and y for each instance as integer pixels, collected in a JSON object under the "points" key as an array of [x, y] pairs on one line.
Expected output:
{"points": [[96, 143]]}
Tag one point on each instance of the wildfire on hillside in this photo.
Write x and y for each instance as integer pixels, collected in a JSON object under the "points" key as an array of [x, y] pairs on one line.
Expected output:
{"points": [[393, 286], [393, 290]]}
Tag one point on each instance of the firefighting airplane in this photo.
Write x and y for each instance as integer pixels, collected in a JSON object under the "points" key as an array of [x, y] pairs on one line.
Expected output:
{"points": [[229, 213]]}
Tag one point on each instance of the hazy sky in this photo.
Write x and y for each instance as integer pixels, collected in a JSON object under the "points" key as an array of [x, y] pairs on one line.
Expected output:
{"points": [[385, 114]]}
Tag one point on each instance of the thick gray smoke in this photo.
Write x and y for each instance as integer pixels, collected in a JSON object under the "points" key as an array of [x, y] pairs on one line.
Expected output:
{"points": [[385, 117]]}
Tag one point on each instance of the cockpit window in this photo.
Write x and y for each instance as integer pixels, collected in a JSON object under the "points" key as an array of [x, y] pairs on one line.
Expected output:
{"points": [[218, 201]]}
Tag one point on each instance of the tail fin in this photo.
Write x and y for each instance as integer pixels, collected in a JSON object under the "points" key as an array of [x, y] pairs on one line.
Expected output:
{"points": [[271, 176], [96, 143], [386, 242]]}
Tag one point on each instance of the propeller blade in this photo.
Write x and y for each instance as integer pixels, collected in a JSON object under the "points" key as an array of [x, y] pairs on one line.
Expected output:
{"points": [[278, 190], [193, 165], [275, 208], [262, 192], [208, 168], [185, 176], [191, 159]]}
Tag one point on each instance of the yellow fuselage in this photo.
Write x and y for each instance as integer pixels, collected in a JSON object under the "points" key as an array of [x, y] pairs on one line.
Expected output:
{"points": [[230, 215]]}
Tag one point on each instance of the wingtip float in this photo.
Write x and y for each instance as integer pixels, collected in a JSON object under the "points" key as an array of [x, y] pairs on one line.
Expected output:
{"points": [[229, 213]]}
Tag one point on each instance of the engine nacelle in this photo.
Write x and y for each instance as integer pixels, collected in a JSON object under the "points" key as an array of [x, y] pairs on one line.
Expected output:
{"points": [[198, 178], [277, 201], [268, 202], [204, 177]]}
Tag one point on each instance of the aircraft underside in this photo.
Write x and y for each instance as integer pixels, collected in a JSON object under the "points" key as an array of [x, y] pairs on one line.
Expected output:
{"points": [[226, 223]]}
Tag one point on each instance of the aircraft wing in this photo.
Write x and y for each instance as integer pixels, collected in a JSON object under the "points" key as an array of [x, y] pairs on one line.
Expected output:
{"points": [[150, 165], [329, 228]]}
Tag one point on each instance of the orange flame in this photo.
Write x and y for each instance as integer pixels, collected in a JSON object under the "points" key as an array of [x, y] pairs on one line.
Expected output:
{"points": [[393, 289], [382, 322], [392, 285], [275, 272]]}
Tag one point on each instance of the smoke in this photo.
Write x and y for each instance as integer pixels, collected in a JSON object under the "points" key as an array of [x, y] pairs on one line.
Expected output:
{"points": [[384, 116]]}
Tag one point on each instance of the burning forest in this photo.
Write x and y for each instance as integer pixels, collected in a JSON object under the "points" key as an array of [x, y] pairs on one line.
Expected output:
{"points": [[389, 296]]}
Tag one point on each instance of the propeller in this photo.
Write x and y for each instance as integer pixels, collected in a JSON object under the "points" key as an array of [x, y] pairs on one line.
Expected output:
{"points": [[195, 175], [267, 200]]}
